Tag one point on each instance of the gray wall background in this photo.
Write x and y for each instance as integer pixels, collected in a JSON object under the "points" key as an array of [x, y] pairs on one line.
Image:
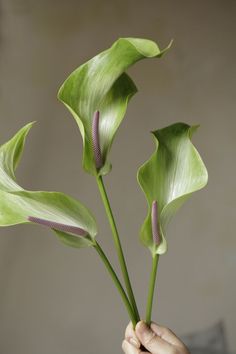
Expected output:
{"points": [[58, 300]]}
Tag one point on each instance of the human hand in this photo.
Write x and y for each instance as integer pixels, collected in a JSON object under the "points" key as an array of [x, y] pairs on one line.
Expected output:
{"points": [[156, 339]]}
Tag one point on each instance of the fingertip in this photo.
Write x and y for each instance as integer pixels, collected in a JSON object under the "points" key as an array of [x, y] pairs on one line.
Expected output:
{"points": [[128, 348], [134, 341], [130, 335], [123, 346], [130, 327]]}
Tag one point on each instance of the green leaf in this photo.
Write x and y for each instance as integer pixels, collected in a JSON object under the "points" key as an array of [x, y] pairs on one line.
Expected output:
{"points": [[170, 176], [101, 84], [53, 209]]}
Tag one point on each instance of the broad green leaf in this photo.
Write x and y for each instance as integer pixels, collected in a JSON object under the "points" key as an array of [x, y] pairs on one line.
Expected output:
{"points": [[101, 84], [56, 210], [170, 176]]}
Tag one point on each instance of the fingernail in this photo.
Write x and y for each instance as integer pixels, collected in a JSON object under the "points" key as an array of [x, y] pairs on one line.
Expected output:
{"points": [[128, 347], [134, 342]]}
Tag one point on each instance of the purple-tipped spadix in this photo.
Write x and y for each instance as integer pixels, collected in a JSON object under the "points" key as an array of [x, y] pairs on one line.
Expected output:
{"points": [[155, 230], [96, 141], [59, 226]]}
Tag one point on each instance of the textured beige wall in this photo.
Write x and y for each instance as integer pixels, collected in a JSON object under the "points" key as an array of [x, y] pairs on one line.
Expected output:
{"points": [[58, 300]]}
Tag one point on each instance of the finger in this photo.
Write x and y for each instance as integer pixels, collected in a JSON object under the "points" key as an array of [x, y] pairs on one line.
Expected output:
{"points": [[166, 334], [129, 348], [151, 340], [130, 336]]}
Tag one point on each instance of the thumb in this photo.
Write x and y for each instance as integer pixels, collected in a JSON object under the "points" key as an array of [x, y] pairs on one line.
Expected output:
{"points": [[151, 341]]}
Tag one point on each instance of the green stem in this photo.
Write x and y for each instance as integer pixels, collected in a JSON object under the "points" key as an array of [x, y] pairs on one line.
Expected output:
{"points": [[116, 282], [118, 245], [151, 288]]}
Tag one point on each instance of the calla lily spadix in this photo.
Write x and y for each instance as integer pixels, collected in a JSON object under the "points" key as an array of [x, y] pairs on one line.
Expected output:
{"points": [[59, 226], [155, 226], [102, 85], [96, 141]]}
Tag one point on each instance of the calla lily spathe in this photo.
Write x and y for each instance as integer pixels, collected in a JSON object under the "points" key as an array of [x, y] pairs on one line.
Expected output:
{"points": [[101, 85], [72, 222], [169, 177]]}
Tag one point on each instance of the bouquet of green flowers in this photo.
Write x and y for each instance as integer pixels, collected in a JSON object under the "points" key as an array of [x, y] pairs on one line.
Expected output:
{"points": [[97, 94]]}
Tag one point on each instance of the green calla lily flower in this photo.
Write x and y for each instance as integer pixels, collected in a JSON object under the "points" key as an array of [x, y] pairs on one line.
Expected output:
{"points": [[72, 222], [97, 94], [168, 179]]}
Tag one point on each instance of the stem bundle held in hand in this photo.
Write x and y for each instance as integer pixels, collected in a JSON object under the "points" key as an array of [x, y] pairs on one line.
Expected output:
{"points": [[97, 94]]}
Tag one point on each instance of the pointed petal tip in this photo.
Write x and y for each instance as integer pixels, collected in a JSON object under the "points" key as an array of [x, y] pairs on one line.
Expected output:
{"points": [[170, 44], [194, 127]]}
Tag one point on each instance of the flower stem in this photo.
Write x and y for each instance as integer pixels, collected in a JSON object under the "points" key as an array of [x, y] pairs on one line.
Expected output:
{"points": [[151, 289], [118, 246], [116, 282]]}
